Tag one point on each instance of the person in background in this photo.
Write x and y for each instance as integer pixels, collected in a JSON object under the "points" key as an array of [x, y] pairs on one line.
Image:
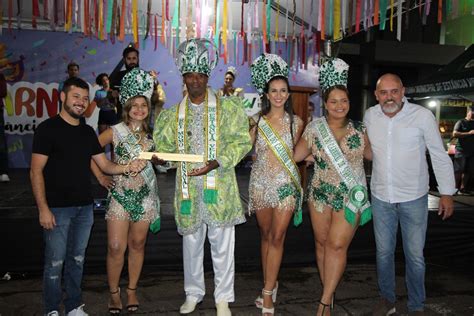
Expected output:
{"points": [[337, 195], [464, 152], [400, 132], [207, 200], [106, 101], [158, 100], [61, 181], [3, 138], [131, 60], [228, 89], [310, 111], [275, 193], [72, 72], [134, 204]]}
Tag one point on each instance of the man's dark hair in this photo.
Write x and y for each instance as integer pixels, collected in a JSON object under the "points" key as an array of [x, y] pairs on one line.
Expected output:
{"points": [[128, 50], [72, 64], [98, 79], [74, 81]]}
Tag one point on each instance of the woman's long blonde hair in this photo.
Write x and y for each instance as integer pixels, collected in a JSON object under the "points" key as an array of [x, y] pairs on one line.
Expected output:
{"points": [[128, 106]]}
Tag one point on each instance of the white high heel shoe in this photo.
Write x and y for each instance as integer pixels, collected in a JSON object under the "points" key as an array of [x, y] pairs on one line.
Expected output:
{"points": [[268, 310], [259, 299]]}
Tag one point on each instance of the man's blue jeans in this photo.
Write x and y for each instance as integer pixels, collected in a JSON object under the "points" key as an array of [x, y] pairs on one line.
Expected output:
{"points": [[413, 218], [65, 245]]}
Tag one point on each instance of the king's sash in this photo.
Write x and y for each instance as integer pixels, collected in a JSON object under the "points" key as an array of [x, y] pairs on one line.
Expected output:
{"points": [[211, 117]]}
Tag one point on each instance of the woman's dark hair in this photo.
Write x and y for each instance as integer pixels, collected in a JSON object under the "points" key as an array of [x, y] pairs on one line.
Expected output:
{"points": [[330, 89], [266, 106], [230, 73], [98, 79]]}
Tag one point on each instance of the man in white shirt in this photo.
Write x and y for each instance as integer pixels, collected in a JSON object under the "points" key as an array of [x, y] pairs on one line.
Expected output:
{"points": [[399, 133]]}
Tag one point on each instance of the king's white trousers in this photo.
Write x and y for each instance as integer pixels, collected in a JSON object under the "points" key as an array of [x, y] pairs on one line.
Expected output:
{"points": [[222, 240]]}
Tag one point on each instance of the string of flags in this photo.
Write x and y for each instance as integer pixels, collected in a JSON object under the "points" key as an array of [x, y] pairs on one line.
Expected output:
{"points": [[111, 20]]}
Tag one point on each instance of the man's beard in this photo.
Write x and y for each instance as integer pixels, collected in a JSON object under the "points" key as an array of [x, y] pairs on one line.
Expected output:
{"points": [[131, 66], [391, 108], [70, 111]]}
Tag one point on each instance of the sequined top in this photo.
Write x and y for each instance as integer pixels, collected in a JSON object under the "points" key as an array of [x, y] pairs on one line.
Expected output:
{"points": [[327, 188], [132, 198], [270, 184], [233, 143]]}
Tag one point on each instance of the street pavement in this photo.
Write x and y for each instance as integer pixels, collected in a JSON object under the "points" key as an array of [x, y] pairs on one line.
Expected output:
{"points": [[449, 278]]}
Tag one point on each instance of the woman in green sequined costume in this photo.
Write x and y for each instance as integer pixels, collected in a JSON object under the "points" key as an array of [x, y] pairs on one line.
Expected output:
{"points": [[272, 195], [133, 202], [328, 194]]}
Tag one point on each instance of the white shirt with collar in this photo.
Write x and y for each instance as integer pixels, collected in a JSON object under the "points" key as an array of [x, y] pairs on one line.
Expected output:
{"points": [[400, 169]]}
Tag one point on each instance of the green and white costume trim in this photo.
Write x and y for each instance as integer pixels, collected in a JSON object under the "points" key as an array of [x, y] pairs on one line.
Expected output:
{"points": [[211, 113], [284, 155], [358, 195], [131, 142]]}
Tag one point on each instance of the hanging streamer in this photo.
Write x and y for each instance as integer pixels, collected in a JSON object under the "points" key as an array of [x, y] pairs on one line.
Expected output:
{"points": [[198, 19], [358, 13], [370, 13], [323, 18], [383, 13], [391, 15], [148, 19], [135, 22], [302, 17], [440, 11], [167, 10], [36, 13], [67, 26], [105, 18], [189, 20], [73, 16], [330, 25], [218, 23], [109, 15], [205, 21], [286, 20], [294, 19], [276, 20], [264, 22], [399, 21], [428, 6], [311, 11], [350, 18], [113, 27], [122, 21], [364, 15], [269, 18], [101, 21], [343, 17], [376, 12], [224, 30], [155, 30], [337, 20], [162, 22], [45, 9], [86, 18]]}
